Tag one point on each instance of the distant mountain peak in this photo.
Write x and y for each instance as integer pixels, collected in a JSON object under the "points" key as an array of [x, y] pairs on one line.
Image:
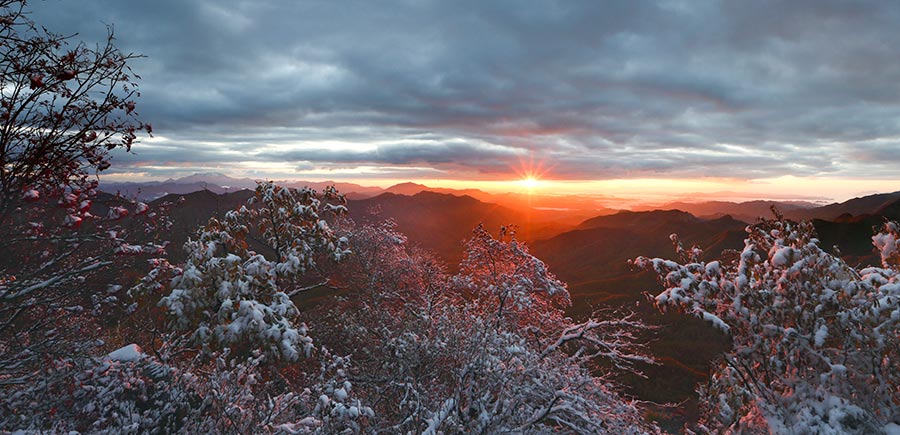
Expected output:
{"points": [[634, 219], [208, 174], [208, 177], [407, 188], [407, 184]]}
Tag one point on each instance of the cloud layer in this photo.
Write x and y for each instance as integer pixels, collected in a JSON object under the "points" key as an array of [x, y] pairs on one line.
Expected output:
{"points": [[591, 90]]}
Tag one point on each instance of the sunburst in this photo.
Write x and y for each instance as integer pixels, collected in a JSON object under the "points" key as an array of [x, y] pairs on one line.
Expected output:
{"points": [[530, 182], [531, 174]]}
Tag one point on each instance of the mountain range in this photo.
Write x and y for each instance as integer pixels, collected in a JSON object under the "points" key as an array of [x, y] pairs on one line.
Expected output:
{"points": [[597, 240], [589, 253], [567, 208], [748, 211], [220, 183]]}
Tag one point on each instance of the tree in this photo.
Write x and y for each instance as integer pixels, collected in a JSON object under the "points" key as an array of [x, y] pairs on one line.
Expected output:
{"points": [[63, 106], [226, 295], [513, 285], [227, 301], [437, 354], [815, 341]]}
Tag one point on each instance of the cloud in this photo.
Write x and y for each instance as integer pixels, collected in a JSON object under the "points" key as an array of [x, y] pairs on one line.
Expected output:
{"points": [[590, 89]]}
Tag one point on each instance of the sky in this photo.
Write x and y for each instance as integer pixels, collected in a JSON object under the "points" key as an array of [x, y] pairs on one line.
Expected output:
{"points": [[787, 99]]}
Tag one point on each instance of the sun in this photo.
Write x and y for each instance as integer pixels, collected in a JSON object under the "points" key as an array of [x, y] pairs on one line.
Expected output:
{"points": [[531, 174], [530, 182]]}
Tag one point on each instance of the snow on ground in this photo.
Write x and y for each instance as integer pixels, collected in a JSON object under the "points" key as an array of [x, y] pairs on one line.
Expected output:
{"points": [[131, 352]]}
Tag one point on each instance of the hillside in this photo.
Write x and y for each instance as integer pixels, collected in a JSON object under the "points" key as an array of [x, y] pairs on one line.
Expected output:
{"points": [[866, 205], [442, 222], [748, 211], [188, 212]]}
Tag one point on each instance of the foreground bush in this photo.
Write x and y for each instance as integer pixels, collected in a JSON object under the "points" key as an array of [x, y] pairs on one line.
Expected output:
{"points": [[816, 342]]}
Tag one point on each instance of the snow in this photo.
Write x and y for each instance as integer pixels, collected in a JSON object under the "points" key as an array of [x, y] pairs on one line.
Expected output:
{"points": [[127, 249], [783, 256], [116, 213], [438, 417], [782, 277], [31, 195], [141, 208], [821, 335], [886, 244], [340, 394], [72, 220], [131, 352], [716, 321]]}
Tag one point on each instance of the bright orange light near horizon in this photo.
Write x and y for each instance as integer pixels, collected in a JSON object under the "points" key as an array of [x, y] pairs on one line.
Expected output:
{"points": [[531, 174], [530, 182]]}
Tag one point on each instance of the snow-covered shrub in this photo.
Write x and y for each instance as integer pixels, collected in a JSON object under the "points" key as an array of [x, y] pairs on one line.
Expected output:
{"points": [[240, 397], [131, 392], [226, 295], [124, 392], [500, 382], [57, 283], [509, 282], [815, 341], [431, 357], [337, 408]]}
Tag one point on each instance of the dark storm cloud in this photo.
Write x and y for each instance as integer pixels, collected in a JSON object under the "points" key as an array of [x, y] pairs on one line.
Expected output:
{"points": [[591, 89], [406, 154]]}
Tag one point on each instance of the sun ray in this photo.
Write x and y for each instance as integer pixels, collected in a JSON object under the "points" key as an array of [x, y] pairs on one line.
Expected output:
{"points": [[530, 182], [531, 174]]}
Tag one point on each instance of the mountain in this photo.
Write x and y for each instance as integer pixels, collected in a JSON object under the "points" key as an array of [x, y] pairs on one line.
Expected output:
{"points": [[865, 205], [850, 225], [891, 210], [593, 258], [852, 234], [640, 220], [154, 190], [151, 190], [438, 222], [748, 211], [349, 190], [441, 222], [563, 209], [585, 253], [189, 211], [220, 183], [214, 178], [410, 189], [853, 238], [566, 209]]}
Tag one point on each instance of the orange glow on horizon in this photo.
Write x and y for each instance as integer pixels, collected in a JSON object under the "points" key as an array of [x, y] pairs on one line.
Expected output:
{"points": [[625, 193], [530, 182], [532, 174]]}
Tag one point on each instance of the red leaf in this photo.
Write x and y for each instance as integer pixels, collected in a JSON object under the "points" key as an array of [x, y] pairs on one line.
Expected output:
{"points": [[66, 75], [37, 80]]}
